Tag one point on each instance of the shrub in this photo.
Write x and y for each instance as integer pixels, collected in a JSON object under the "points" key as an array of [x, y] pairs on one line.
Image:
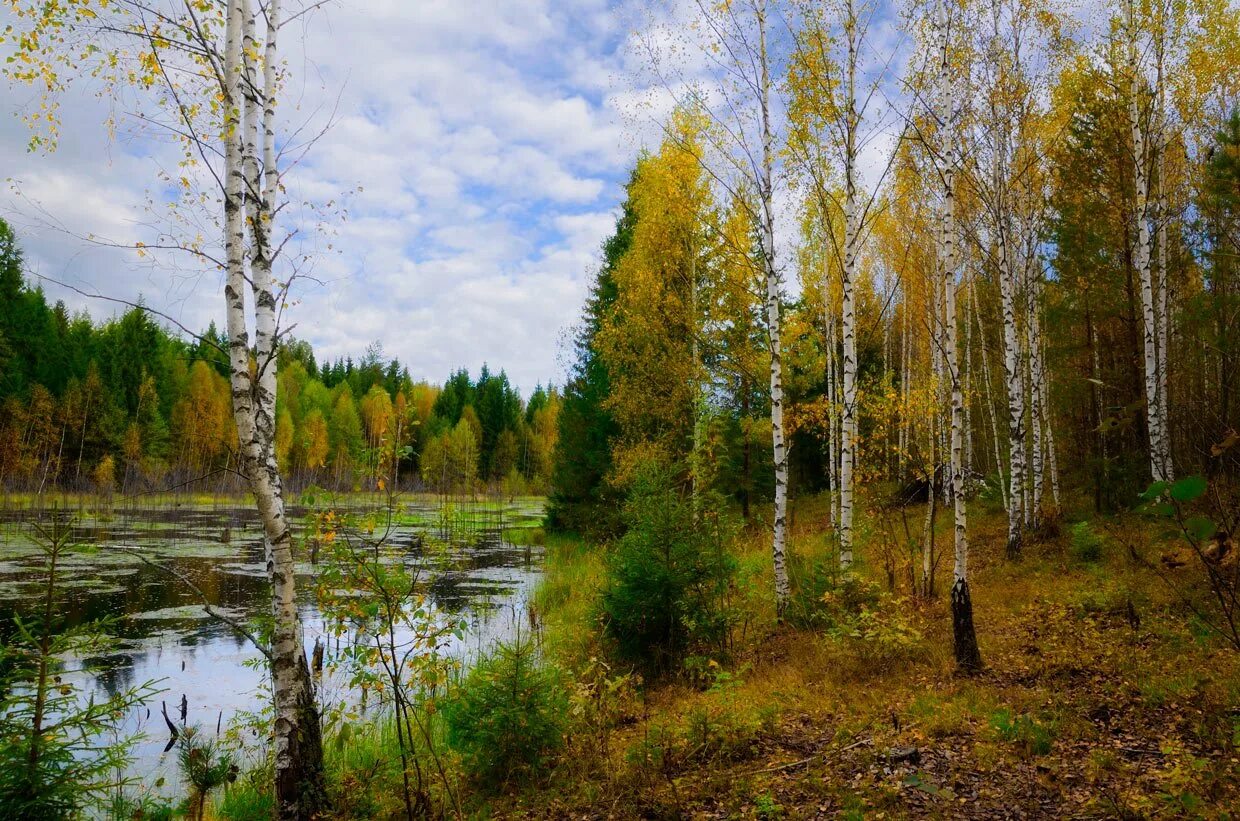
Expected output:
{"points": [[59, 752], [822, 599], [670, 576], [1085, 545], [722, 725], [146, 808], [204, 767], [508, 717], [878, 636], [1022, 730], [599, 701]]}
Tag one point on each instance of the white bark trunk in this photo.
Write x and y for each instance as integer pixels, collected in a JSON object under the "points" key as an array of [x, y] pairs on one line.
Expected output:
{"points": [[990, 400], [1052, 461], [902, 455], [852, 242], [1162, 307], [1015, 394], [1034, 344], [964, 638], [771, 276], [968, 383], [833, 450], [1142, 254], [949, 244], [297, 743], [1164, 217]]}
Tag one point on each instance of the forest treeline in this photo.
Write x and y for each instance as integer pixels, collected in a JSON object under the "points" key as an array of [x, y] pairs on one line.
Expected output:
{"points": [[1054, 241], [128, 405]]}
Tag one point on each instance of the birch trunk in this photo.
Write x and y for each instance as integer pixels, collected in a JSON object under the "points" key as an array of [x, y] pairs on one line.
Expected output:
{"points": [[299, 781], [771, 276], [945, 385], [968, 658], [833, 451], [1015, 395], [1163, 213], [902, 455], [1142, 255], [1034, 344], [852, 237], [968, 384], [990, 401], [1052, 461], [1162, 308]]}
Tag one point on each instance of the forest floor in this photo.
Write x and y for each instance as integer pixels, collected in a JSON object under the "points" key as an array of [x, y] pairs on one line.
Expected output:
{"points": [[1102, 696]]}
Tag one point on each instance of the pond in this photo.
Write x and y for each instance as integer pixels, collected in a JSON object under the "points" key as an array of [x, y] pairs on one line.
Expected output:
{"points": [[477, 575]]}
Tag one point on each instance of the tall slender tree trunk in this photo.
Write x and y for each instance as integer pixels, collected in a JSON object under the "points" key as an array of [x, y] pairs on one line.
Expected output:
{"points": [[968, 657], [852, 241], [968, 383], [833, 450], [1015, 394], [902, 455], [1052, 459], [1163, 214], [771, 275], [1142, 256], [1036, 410], [299, 781], [989, 394]]}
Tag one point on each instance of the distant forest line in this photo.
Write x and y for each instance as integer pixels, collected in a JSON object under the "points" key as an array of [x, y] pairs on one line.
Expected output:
{"points": [[126, 405]]}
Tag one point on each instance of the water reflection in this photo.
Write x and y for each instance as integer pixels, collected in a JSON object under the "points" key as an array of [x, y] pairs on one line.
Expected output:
{"points": [[164, 635]]}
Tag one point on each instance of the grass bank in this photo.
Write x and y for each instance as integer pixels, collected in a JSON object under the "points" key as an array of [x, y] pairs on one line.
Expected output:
{"points": [[1102, 695]]}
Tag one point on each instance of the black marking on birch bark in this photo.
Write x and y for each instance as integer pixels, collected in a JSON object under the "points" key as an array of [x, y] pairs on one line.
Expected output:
{"points": [[964, 636]]}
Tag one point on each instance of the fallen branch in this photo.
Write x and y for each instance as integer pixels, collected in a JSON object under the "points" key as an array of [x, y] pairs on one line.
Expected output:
{"points": [[206, 604], [1136, 751], [804, 761]]}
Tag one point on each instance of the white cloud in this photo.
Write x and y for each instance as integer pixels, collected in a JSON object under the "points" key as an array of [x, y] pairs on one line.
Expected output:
{"points": [[479, 147], [475, 146]]}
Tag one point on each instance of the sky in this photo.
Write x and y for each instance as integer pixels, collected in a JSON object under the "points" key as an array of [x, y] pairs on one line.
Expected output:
{"points": [[473, 166], [478, 146]]}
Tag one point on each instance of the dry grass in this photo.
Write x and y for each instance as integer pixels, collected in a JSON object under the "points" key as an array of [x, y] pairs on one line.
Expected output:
{"points": [[1099, 700]]}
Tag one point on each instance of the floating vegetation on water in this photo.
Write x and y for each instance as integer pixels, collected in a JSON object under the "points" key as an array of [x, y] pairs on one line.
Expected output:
{"points": [[187, 611]]}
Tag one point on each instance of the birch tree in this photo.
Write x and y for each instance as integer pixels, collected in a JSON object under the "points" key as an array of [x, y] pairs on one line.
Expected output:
{"points": [[1152, 306], [735, 43], [1014, 45], [947, 116], [835, 114], [208, 75], [251, 188]]}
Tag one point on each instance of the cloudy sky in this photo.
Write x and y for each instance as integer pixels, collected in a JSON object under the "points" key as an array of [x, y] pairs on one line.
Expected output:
{"points": [[473, 166], [479, 147]]}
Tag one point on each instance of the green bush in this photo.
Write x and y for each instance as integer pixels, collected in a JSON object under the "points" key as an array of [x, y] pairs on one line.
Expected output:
{"points": [[145, 807], [1085, 545], [1023, 731], [821, 598], [508, 717], [669, 578]]}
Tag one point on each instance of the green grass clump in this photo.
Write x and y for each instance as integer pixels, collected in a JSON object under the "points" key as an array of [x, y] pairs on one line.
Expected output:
{"points": [[246, 800], [1032, 737], [525, 536]]}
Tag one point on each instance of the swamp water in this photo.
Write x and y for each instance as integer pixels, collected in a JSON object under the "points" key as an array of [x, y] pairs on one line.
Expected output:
{"points": [[165, 636]]}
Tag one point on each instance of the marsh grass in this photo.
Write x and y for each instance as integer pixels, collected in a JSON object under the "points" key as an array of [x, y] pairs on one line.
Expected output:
{"points": [[802, 718]]}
